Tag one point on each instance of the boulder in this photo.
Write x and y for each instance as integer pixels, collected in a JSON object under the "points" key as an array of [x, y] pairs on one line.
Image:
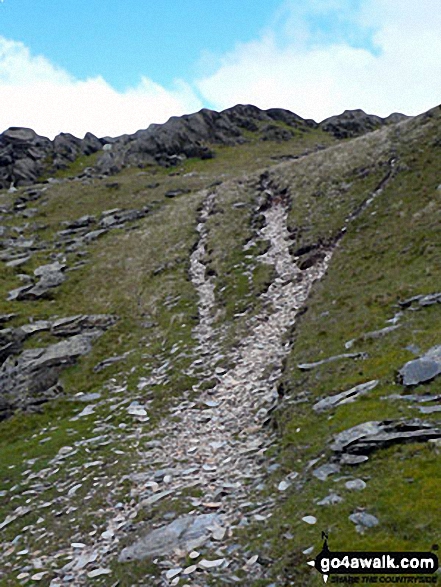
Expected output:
{"points": [[423, 369], [185, 533], [31, 379]]}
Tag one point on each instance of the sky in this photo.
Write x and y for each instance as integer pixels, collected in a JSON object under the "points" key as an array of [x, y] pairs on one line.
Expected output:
{"points": [[112, 67]]}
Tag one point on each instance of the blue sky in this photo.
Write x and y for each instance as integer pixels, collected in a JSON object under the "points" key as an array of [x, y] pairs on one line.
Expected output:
{"points": [[113, 66]]}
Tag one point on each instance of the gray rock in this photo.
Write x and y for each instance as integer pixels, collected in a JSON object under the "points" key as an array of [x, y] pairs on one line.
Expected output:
{"points": [[353, 123], [31, 379], [309, 366], [186, 533], [345, 397], [348, 459], [423, 369], [77, 324], [174, 193], [50, 275], [422, 300], [330, 499], [363, 521], [6, 317], [11, 342], [324, 471], [187, 136], [355, 484], [429, 409], [372, 335], [369, 436]]}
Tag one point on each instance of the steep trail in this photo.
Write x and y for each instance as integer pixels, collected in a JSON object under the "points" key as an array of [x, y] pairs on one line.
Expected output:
{"points": [[217, 443]]}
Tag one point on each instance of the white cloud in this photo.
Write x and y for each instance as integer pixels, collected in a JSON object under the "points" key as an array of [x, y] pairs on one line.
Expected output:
{"points": [[34, 93], [292, 67]]}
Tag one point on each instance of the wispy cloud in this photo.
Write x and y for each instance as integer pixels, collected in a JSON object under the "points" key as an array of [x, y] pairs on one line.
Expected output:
{"points": [[382, 56]]}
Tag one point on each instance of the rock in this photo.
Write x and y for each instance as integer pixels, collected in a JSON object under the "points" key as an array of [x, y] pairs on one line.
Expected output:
{"points": [[330, 499], [189, 570], [172, 573], [355, 484], [363, 521], [187, 136], [81, 323], [120, 217], [174, 193], [83, 222], [6, 318], [11, 342], [98, 573], [323, 472], [309, 520], [422, 300], [347, 459], [369, 436], [51, 276], [22, 154], [283, 486], [345, 397], [372, 335], [309, 366], [108, 362], [423, 369], [210, 564], [353, 123], [31, 379], [184, 533]]}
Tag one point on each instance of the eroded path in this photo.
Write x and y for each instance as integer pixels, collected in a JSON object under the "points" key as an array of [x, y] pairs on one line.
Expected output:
{"points": [[216, 444]]}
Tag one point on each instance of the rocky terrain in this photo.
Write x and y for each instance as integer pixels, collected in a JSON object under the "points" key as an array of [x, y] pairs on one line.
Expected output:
{"points": [[218, 339]]}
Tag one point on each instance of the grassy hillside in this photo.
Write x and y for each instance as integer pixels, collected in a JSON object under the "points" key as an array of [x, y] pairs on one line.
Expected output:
{"points": [[374, 201]]}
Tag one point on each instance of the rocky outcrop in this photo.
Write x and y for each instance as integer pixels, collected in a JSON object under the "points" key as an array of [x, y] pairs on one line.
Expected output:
{"points": [[25, 155], [353, 123], [192, 135], [370, 436], [29, 378]]}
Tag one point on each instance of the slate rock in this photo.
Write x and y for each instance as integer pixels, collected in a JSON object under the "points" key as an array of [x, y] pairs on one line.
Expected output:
{"points": [[309, 366], [11, 342], [330, 499], [324, 471], [372, 335], [422, 300], [363, 520], [355, 485], [345, 397], [369, 436], [185, 533], [423, 369], [31, 378]]}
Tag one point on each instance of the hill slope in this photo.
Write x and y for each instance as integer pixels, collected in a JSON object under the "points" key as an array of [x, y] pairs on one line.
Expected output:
{"points": [[217, 354]]}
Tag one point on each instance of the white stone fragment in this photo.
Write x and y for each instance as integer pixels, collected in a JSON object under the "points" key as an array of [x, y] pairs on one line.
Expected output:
{"points": [[206, 564], [98, 572], [172, 573]]}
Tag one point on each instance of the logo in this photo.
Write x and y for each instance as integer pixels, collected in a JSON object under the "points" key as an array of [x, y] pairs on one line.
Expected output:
{"points": [[374, 563]]}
